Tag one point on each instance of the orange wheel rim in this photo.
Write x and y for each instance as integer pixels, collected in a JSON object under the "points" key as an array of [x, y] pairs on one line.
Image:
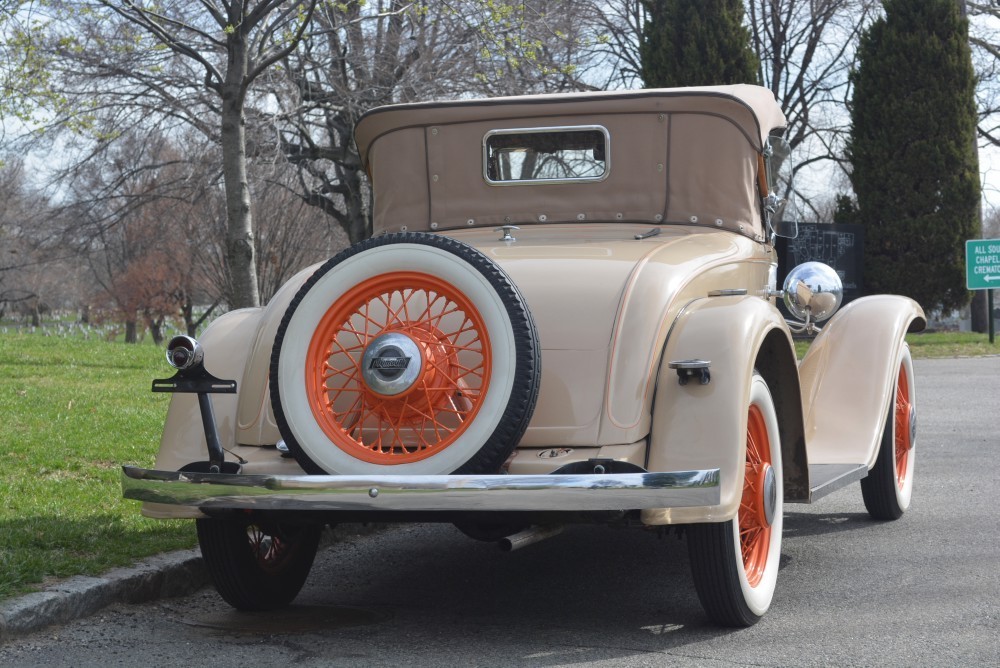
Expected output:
{"points": [[903, 443], [268, 551], [755, 529], [453, 348]]}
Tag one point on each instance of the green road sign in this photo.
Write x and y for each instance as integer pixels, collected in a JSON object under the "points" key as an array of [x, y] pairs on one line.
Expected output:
{"points": [[982, 264]]}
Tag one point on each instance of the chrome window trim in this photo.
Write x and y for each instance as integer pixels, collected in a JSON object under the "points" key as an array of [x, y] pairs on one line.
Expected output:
{"points": [[549, 182]]}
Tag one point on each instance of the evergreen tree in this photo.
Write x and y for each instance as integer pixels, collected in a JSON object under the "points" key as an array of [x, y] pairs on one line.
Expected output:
{"points": [[912, 151], [696, 43]]}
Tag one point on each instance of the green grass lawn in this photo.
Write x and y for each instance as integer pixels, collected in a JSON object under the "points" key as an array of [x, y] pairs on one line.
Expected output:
{"points": [[952, 344], [71, 413], [939, 344]]}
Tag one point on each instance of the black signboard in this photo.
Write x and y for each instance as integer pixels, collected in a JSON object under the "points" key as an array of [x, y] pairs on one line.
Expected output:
{"points": [[840, 246]]}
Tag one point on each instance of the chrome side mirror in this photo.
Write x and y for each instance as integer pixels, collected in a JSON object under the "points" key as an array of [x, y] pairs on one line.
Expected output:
{"points": [[812, 292]]}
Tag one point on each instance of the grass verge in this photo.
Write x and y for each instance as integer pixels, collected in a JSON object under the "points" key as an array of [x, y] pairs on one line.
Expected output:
{"points": [[72, 412], [952, 344], [931, 345]]}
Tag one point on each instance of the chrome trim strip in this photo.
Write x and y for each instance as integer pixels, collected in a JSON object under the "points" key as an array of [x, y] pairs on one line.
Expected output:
{"points": [[620, 491], [825, 479], [549, 182]]}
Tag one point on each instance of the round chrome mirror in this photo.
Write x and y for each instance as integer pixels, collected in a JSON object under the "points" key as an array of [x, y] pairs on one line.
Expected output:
{"points": [[813, 291]]}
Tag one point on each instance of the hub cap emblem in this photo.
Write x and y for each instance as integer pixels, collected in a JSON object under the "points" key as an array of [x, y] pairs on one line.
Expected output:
{"points": [[391, 364]]}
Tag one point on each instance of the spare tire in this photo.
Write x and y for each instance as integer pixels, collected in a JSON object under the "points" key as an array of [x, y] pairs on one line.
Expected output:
{"points": [[406, 354]]}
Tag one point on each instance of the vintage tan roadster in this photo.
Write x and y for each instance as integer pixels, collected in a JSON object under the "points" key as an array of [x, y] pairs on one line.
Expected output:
{"points": [[567, 313]]}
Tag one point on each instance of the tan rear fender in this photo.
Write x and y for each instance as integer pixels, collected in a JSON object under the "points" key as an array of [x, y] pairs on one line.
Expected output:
{"points": [[697, 424], [237, 347], [849, 375]]}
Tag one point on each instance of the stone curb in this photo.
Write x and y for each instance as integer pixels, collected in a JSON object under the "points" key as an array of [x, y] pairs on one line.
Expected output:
{"points": [[161, 576]]}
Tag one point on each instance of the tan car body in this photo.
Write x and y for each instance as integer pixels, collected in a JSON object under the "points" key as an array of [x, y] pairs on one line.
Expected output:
{"points": [[612, 310]]}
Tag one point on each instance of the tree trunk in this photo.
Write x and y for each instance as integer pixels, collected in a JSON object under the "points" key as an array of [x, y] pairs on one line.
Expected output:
{"points": [[155, 329], [358, 227], [191, 323], [187, 312], [241, 271], [131, 335]]}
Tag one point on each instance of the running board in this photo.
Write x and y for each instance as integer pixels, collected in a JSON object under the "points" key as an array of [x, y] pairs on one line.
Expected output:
{"points": [[828, 478]]}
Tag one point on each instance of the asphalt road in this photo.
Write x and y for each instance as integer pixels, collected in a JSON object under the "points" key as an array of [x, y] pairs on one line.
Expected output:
{"points": [[922, 591]]}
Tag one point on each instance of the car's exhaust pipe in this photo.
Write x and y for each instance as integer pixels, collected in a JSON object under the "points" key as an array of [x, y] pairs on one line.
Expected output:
{"points": [[532, 534]]}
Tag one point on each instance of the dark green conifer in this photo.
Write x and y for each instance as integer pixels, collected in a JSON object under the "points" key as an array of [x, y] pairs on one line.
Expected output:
{"points": [[912, 151], [696, 43]]}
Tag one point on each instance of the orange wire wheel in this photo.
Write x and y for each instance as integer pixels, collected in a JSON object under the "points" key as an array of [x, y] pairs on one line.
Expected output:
{"points": [[734, 564], [757, 505], [889, 486], [398, 368], [407, 353], [902, 437]]}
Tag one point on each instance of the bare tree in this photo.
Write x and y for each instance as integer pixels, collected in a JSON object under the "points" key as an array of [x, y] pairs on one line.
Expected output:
{"points": [[984, 37], [806, 49], [991, 226], [255, 35], [541, 46], [33, 268], [173, 63], [291, 233], [129, 215], [19, 65], [612, 46], [14, 251], [362, 55]]}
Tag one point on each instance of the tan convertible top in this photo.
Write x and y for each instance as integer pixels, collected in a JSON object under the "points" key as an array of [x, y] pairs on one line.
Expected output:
{"points": [[681, 155]]}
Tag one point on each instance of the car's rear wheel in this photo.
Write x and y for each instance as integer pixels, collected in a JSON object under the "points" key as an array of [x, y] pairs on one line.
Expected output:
{"points": [[735, 563], [889, 486], [406, 354], [257, 566]]}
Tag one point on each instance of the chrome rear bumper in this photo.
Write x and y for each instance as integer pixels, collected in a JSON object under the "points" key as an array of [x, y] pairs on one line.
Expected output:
{"points": [[496, 493]]}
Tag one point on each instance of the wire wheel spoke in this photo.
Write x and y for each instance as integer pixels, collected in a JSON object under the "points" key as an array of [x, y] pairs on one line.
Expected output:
{"points": [[902, 427], [755, 533], [266, 549], [434, 410]]}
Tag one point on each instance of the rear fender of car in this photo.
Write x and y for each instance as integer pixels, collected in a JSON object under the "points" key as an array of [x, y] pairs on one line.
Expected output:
{"points": [[255, 423], [849, 375], [237, 347], [696, 426]]}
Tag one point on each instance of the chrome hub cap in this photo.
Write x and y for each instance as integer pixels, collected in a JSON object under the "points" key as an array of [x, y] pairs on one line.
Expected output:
{"points": [[769, 490], [391, 364], [913, 427]]}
